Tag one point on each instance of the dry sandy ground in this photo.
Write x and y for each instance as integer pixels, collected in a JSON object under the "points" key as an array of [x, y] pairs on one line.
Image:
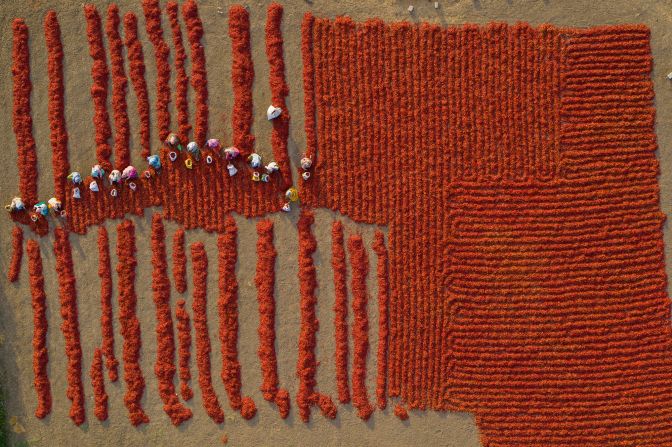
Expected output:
{"points": [[448, 429]]}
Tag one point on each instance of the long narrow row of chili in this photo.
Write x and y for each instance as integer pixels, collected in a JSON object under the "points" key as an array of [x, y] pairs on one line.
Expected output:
{"points": [[179, 261], [181, 80], [136, 72], [99, 73], [152, 11], [383, 318], [17, 254], [264, 279], [122, 156], [164, 367], [227, 304], [40, 327], [307, 193], [67, 291], [200, 270], [106, 327], [242, 75], [199, 78], [184, 350], [98, 383], [21, 118], [360, 269], [279, 91], [306, 367], [130, 326], [58, 131], [340, 311]]}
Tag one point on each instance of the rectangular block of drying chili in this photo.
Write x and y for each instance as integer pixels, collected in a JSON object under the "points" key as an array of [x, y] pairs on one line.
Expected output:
{"points": [[515, 168]]}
